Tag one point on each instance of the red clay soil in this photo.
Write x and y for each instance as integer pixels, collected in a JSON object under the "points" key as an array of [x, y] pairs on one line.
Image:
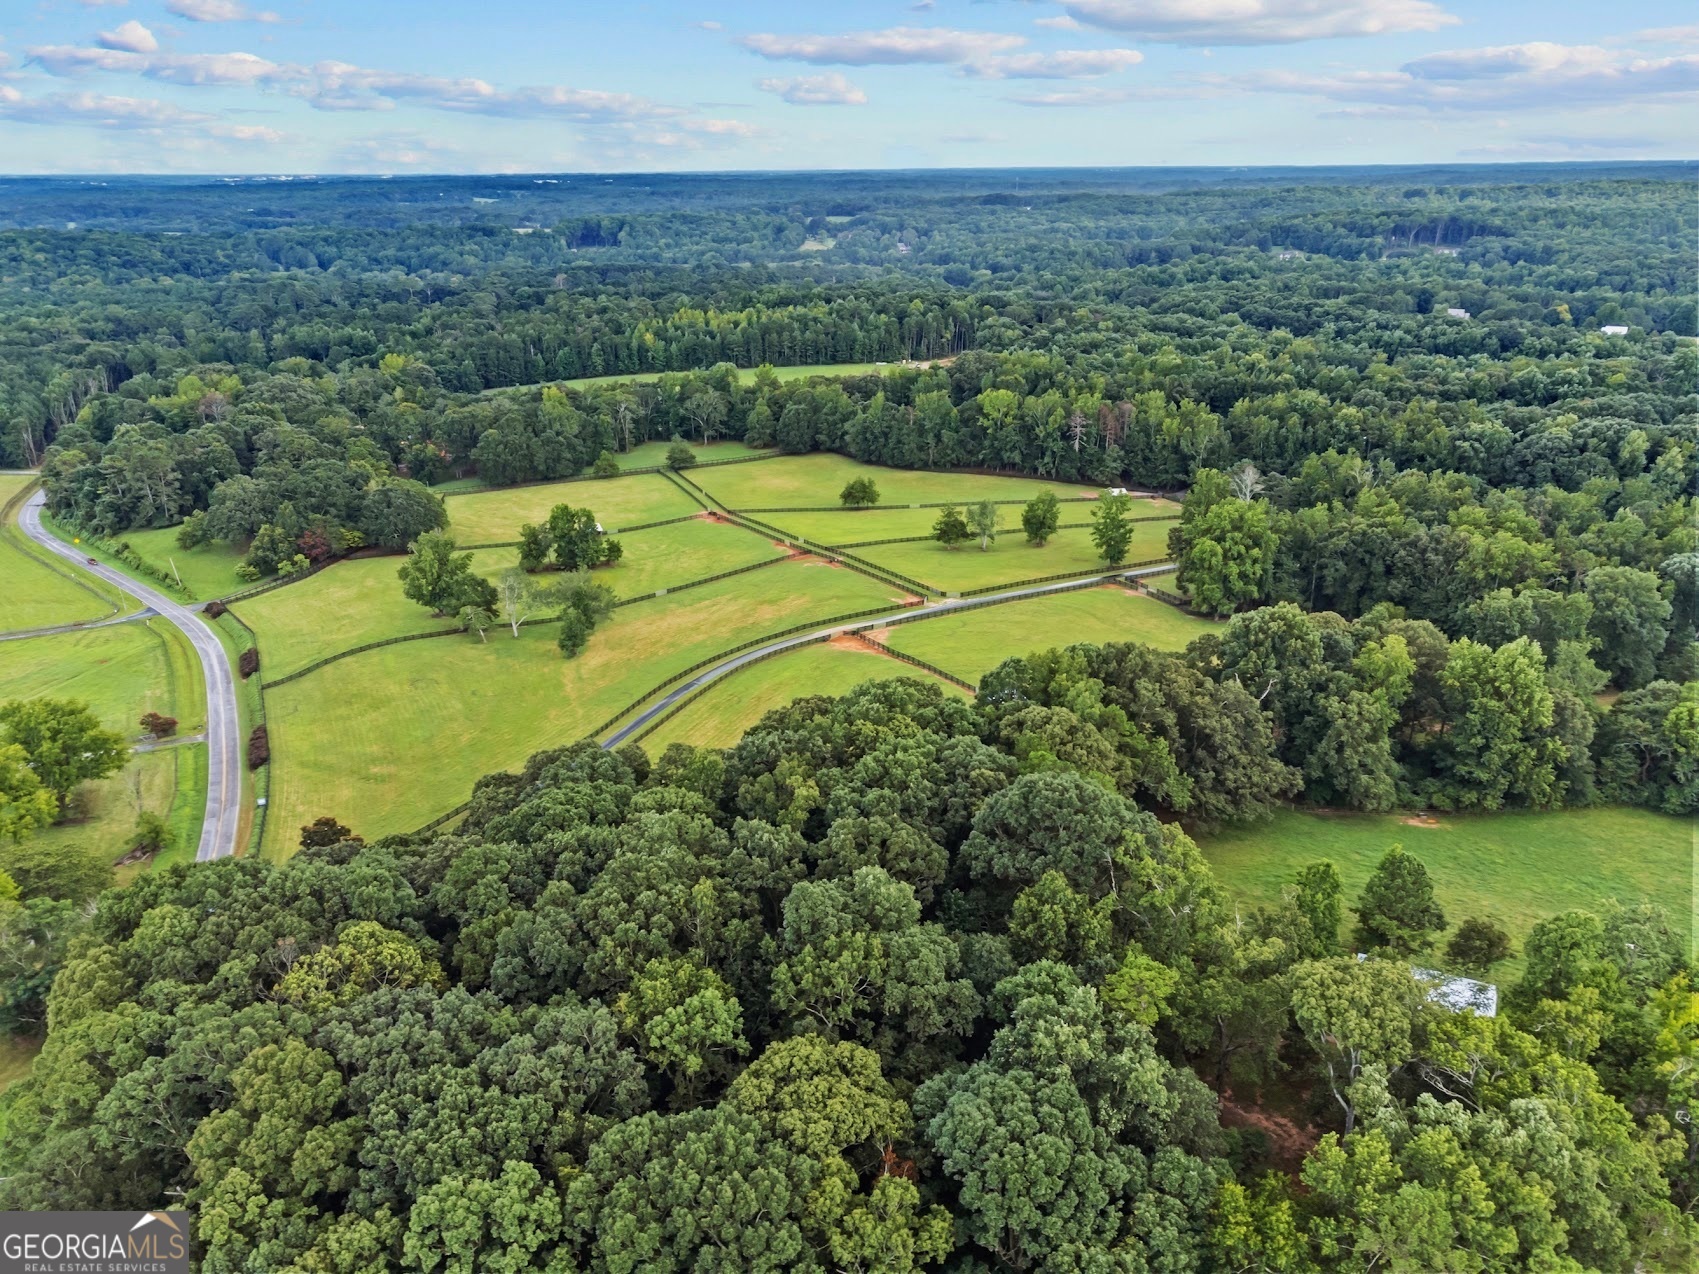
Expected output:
{"points": [[1287, 1142]]}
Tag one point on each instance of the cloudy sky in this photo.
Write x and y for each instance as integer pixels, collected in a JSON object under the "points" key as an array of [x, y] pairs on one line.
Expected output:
{"points": [[533, 85]]}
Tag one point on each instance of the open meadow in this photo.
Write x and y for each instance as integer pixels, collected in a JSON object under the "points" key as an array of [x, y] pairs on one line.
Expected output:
{"points": [[1517, 867], [494, 516], [39, 592], [973, 642], [121, 671], [719, 715], [206, 571], [817, 479], [345, 736]]}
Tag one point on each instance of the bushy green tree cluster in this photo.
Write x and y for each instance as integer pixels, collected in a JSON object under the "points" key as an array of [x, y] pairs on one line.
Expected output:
{"points": [[895, 982]]}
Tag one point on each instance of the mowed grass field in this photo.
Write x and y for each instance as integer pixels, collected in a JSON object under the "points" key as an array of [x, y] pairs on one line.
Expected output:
{"points": [[817, 479], [666, 556], [974, 642], [207, 572], [720, 714], [38, 592], [121, 672], [1519, 867], [1009, 557], [648, 455], [388, 739], [495, 516]]}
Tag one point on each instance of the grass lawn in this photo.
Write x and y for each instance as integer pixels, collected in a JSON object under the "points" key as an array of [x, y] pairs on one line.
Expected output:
{"points": [[343, 605], [666, 556], [646, 455], [744, 374], [40, 592], [976, 641], [719, 715], [1009, 558], [817, 479], [122, 672], [354, 738], [207, 572], [489, 517], [1518, 867]]}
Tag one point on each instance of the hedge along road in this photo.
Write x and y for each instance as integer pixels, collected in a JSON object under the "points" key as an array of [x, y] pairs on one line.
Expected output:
{"points": [[944, 607], [224, 761]]}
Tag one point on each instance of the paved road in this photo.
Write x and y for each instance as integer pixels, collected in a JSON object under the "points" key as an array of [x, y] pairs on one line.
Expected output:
{"points": [[735, 662], [224, 758]]}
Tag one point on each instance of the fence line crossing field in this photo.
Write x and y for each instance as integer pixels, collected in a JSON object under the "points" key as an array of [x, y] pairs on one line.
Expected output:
{"points": [[1009, 557], [495, 516], [346, 604], [345, 736], [973, 642], [718, 716], [1517, 867]]}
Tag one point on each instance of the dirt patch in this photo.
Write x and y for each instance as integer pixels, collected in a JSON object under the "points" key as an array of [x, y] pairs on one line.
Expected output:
{"points": [[853, 642], [708, 515], [876, 635], [1288, 1143], [1421, 820]]}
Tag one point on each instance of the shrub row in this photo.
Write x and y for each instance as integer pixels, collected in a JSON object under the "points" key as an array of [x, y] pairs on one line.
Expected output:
{"points": [[259, 747], [248, 662], [121, 550]]}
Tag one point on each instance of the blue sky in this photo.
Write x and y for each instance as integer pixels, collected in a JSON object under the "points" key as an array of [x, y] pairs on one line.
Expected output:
{"points": [[526, 85]]}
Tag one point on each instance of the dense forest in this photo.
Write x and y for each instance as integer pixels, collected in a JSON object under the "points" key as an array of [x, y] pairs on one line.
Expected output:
{"points": [[897, 980]]}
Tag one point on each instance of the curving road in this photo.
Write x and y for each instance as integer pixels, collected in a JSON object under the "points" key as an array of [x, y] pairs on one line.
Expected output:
{"points": [[735, 662], [223, 730]]}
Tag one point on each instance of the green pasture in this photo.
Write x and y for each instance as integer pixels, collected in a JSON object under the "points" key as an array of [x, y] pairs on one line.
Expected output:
{"points": [[648, 455], [745, 374], [495, 516], [818, 478], [720, 714], [39, 591], [1009, 558], [207, 571], [666, 556], [1518, 867], [346, 604], [121, 672], [974, 642], [388, 739]]}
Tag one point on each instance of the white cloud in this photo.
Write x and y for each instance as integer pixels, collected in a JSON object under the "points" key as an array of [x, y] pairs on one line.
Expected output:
{"points": [[1669, 35], [1221, 22], [172, 68], [1061, 22], [218, 11], [248, 133], [1074, 97], [96, 109], [830, 89], [895, 46], [1535, 76], [712, 26], [131, 37], [1069, 64], [104, 4]]}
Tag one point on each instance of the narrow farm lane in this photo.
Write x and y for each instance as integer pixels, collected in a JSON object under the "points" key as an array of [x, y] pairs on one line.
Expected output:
{"points": [[223, 729]]}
